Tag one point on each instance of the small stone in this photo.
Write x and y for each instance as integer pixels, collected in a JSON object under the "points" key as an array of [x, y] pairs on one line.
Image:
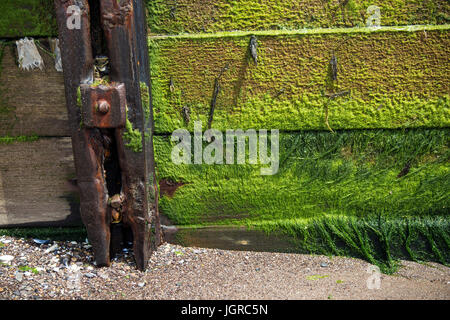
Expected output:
{"points": [[103, 276], [6, 259], [52, 248], [39, 241], [324, 265], [141, 284], [90, 275], [19, 276]]}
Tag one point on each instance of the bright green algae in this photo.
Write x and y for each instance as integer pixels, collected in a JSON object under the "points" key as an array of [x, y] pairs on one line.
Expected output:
{"points": [[194, 16], [391, 80], [22, 18], [335, 193]]}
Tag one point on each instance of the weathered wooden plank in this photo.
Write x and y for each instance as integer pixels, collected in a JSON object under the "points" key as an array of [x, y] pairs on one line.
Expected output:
{"points": [[193, 16], [392, 77], [36, 183], [31, 102]]}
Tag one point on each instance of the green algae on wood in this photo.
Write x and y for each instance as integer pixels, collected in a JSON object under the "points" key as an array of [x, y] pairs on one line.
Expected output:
{"points": [[392, 81], [195, 16], [21, 18], [133, 136], [379, 239], [145, 96], [352, 173], [15, 139], [335, 194]]}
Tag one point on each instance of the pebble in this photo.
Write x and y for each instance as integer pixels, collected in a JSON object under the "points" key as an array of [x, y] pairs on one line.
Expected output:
{"points": [[6, 259], [18, 276], [39, 241], [323, 265], [89, 275], [141, 284], [52, 248], [103, 276]]}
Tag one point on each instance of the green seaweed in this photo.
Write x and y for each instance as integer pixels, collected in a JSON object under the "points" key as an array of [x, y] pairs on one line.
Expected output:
{"points": [[195, 16], [335, 194], [133, 136], [22, 18], [79, 102], [145, 96], [15, 139], [387, 74], [381, 240], [351, 172]]}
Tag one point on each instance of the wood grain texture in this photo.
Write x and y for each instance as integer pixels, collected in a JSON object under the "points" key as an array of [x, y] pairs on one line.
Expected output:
{"points": [[36, 184], [31, 102]]}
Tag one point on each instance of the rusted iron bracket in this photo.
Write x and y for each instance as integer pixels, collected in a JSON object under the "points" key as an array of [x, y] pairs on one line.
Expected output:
{"points": [[111, 123], [103, 106]]}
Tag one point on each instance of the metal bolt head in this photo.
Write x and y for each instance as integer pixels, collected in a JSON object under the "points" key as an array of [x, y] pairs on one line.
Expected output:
{"points": [[103, 107], [116, 201]]}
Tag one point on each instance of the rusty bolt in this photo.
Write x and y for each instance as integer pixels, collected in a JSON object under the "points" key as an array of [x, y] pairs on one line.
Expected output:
{"points": [[116, 201], [103, 106], [116, 216]]}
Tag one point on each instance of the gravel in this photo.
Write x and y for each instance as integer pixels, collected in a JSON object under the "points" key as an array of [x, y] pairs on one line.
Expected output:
{"points": [[65, 270]]}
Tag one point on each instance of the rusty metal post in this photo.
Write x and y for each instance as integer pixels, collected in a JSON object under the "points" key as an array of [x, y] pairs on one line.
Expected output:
{"points": [[111, 124]]}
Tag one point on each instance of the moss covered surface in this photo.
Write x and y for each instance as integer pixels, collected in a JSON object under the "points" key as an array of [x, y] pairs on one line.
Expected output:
{"points": [[20, 18], [379, 195], [193, 16], [133, 137], [10, 140], [352, 173], [379, 239], [145, 96], [395, 79]]}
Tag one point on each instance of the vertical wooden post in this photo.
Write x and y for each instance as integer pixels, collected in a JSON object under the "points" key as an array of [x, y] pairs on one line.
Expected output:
{"points": [[128, 143]]}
